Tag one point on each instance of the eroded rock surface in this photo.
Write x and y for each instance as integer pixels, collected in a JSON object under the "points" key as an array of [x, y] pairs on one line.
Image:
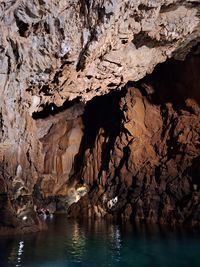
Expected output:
{"points": [[54, 54], [17, 214], [151, 172], [143, 164]]}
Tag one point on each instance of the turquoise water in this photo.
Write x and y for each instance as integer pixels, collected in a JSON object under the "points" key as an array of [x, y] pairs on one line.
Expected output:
{"points": [[72, 244]]}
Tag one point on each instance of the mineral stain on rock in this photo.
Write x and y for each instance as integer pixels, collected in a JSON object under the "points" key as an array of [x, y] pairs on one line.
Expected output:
{"points": [[147, 164], [99, 110]]}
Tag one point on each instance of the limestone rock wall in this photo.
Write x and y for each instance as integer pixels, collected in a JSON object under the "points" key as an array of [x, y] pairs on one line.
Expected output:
{"points": [[143, 164], [52, 51], [55, 52]]}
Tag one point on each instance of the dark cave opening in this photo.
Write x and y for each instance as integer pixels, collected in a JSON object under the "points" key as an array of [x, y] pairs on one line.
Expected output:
{"points": [[174, 81], [102, 112], [52, 109]]}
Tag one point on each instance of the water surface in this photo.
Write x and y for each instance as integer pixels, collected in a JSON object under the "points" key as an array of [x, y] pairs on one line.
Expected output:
{"points": [[72, 244]]}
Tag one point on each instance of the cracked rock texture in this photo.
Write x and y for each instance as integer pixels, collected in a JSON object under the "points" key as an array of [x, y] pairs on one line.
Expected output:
{"points": [[146, 166], [56, 52]]}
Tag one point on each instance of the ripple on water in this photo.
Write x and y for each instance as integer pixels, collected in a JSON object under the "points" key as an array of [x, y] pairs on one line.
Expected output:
{"points": [[98, 243]]}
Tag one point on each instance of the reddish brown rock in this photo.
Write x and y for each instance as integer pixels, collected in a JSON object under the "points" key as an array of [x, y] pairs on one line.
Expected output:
{"points": [[146, 163]]}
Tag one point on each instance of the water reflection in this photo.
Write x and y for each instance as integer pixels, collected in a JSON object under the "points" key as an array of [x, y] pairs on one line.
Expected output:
{"points": [[76, 244], [99, 243], [115, 240], [15, 253], [20, 251]]}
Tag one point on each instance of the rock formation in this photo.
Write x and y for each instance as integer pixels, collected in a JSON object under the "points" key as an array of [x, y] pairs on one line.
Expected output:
{"points": [[56, 56], [143, 164]]}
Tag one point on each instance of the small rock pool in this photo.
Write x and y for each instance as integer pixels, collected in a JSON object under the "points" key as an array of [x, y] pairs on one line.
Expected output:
{"points": [[98, 243]]}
